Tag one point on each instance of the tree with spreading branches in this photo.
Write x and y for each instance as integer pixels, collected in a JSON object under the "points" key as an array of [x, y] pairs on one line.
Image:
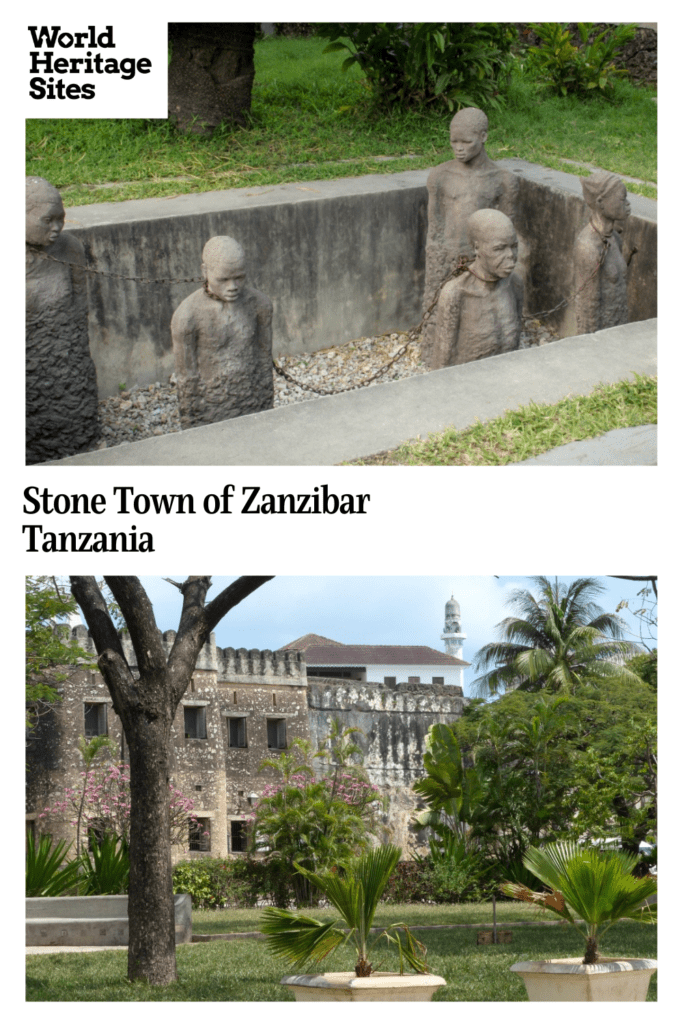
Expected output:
{"points": [[559, 637], [146, 701]]}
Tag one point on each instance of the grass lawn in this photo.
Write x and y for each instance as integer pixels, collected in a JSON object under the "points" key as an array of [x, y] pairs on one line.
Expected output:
{"points": [[244, 970], [310, 120], [216, 922], [532, 429]]}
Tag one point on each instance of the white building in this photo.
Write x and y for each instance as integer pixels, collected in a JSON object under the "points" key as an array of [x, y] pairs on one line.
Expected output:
{"points": [[388, 663]]}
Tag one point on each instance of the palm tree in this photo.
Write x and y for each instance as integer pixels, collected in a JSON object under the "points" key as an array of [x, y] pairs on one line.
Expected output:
{"points": [[354, 891], [590, 889], [559, 637]]}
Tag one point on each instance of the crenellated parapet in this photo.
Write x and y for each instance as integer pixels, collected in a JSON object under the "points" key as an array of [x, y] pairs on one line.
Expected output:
{"points": [[229, 664], [261, 666]]}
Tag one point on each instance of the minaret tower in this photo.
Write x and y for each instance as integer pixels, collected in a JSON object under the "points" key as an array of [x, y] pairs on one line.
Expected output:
{"points": [[452, 635]]}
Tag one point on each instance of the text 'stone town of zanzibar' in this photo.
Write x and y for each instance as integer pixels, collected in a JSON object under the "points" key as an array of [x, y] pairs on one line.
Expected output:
{"points": [[321, 501]]}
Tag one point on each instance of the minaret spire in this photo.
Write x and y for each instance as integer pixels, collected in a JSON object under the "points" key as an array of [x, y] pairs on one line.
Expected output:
{"points": [[453, 635]]}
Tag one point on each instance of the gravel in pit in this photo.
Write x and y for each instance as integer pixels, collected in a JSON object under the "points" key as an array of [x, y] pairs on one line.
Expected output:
{"points": [[152, 410]]}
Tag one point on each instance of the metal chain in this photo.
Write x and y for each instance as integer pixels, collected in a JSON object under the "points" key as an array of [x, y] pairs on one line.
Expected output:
{"points": [[118, 277], [458, 267]]}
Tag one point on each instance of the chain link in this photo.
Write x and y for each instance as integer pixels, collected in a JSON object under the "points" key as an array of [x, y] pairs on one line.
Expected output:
{"points": [[458, 267], [109, 273]]}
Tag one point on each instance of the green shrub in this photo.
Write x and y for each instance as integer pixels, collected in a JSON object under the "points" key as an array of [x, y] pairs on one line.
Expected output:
{"points": [[566, 68], [210, 882], [424, 882], [48, 872], [457, 64], [265, 881], [105, 867], [244, 882]]}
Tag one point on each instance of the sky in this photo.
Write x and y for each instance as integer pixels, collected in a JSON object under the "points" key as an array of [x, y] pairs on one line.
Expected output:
{"points": [[370, 609]]}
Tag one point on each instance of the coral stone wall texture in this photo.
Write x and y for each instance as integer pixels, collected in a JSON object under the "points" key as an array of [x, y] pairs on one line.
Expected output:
{"points": [[240, 708]]}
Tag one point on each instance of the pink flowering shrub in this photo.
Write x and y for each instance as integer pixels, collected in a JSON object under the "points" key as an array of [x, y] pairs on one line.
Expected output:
{"points": [[105, 804]]}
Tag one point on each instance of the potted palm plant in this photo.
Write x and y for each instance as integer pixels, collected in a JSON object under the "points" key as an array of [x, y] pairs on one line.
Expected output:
{"points": [[592, 890], [354, 891]]}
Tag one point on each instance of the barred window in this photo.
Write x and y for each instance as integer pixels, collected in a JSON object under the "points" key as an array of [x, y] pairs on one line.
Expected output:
{"points": [[200, 835], [238, 837], [237, 732], [277, 733], [95, 720], [195, 723]]}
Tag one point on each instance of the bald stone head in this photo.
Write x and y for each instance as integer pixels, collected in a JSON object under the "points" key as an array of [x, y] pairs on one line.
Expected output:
{"points": [[494, 241], [44, 212], [224, 267], [469, 131]]}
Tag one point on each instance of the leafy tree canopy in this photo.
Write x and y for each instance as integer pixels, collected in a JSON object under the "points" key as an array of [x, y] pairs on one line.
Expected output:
{"points": [[541, 767], [48, 649]]}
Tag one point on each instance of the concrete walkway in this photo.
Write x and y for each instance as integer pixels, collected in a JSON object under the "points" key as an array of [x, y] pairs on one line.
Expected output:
{"points": [[632, 446], [350, 426]]}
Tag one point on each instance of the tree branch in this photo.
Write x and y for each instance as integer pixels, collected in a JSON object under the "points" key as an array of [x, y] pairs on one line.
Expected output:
{"points": [[197, 621], [112, 660], [132, 599], [648, 579], [231, 596]]}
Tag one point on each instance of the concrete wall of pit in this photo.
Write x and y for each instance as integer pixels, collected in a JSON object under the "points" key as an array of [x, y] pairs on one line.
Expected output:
{"points": [[340, 259]]}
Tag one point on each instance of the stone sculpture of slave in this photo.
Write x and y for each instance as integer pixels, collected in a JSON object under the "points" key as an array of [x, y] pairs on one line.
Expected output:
{"points": [[479, 313], [601, 286], [222, 341], [469, 182], [61, 383]]}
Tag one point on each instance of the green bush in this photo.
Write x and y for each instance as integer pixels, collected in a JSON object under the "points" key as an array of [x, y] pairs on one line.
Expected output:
{"points": [[105, 867], [48, 872], [424, 882], [209, 881], [244, 882], [458, 64], [566, 68], [264, 881]]}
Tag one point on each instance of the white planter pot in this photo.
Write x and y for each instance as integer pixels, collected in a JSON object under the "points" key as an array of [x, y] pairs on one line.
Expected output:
{"points": [[344, 986], [610, 980]]}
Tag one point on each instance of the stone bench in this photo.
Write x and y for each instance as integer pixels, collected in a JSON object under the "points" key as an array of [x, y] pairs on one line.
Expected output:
{"points": [[92, 920]]}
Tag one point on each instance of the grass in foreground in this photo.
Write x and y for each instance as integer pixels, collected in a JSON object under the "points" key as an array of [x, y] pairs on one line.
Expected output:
{"points": [[310, 121], [244, 970], [531, 429]]}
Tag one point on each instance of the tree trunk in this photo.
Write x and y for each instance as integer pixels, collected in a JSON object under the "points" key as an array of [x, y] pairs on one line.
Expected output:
{"points": [[210, 75], [151, 914], [146, 707]]}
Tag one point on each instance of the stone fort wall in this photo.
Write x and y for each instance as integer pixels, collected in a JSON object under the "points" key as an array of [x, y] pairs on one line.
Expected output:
{"points": [[237, 704]]}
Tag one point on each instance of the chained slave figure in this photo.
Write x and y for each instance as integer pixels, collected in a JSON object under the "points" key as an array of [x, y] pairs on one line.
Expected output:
{"points": [[469, 182], [222, 341], [61, 383], [599, 266], [479, 313]]}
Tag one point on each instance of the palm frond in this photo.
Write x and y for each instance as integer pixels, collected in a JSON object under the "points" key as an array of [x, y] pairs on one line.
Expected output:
{"points": [[299, 939]]}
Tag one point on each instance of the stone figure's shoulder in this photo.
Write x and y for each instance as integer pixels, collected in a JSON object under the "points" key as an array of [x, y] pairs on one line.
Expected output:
{"points": [[516, 284], [189, 309], [261, 305], [509, 179], [68, 247], [455, 288], [587, 242], [259, 298], [440, 173]]}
